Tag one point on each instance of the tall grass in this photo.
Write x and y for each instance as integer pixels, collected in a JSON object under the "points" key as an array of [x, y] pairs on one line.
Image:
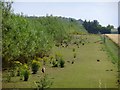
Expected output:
{"points": [[112, 49]]}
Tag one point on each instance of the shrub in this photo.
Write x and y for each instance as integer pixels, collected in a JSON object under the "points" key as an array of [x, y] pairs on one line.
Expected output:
{"points": [[13, 70], [35, 66], [55, 63], [21, 73], [44, 82], [58, 61], [83, 44], [61, 63], [50, 59], [58, 56], [75, 42], [12, 73], [74, 55], [17, 65], [8, 77], [18, 73], [26, 75], [57, 45], [73, 49], [72, 62], [39, 59], [44, 60]]}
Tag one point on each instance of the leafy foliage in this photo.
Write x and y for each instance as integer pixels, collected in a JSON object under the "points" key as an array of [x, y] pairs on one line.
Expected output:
{"points": [[35, 66], [55, 63], [26, 75], [61, 62], [8, 77], [44, 82], [95, 27], [25, 72], [24, 37]]}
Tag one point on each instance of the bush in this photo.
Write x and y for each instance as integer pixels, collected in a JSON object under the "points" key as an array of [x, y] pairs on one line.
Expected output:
{"points": [[17, 65], [58, 56], [58, 61], [55, 63], [74, 55], [44, 82], [61, 63], [24, 72], [44, 60], [9, 77], [82, 43], [50, 59], [35, 66], [21, 73], [73, 49], [18, 73], [12, 73], [26, 75]]}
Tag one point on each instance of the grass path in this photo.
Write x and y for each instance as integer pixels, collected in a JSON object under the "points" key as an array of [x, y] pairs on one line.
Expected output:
{"points": [[86, 72]]}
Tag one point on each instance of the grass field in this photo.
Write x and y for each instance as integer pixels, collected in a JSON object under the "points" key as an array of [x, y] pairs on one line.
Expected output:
{"points": [[86, 72]]}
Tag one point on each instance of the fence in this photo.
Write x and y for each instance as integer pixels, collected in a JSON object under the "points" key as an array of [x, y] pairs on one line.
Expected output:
{"points": [[111, 47]]}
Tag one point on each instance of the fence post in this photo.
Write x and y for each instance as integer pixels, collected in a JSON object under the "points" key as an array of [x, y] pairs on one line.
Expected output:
{"points": [[104, 38]]}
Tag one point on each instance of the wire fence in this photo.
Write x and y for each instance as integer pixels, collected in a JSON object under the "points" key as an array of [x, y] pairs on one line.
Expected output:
{"points": [[111, 48], [113, 51]]}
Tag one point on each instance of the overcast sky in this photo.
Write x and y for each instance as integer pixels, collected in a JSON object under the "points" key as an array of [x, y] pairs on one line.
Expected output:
{"points": [[105, 12]]}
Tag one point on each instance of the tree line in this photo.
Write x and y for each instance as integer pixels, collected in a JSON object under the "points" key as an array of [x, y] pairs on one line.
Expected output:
{"points": [[25, 37], [95, 28]]}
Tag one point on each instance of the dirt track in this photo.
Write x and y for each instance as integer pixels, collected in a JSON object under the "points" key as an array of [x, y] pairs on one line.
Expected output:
{"points": [[114, 37]]}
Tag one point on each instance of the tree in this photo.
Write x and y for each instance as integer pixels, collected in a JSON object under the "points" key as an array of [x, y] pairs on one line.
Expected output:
{"points": [[25, 37], [95, 27]]}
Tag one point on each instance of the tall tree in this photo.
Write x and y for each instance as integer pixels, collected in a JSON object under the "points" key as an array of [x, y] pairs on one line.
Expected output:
{"points": [[95, 27]]}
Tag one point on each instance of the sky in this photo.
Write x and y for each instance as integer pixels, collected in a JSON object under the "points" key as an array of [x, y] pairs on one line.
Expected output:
{"points": [[106, 12]]}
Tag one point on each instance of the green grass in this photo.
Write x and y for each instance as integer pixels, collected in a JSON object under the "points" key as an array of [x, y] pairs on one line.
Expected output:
{"points": [[112, 49], [86, 72]]}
